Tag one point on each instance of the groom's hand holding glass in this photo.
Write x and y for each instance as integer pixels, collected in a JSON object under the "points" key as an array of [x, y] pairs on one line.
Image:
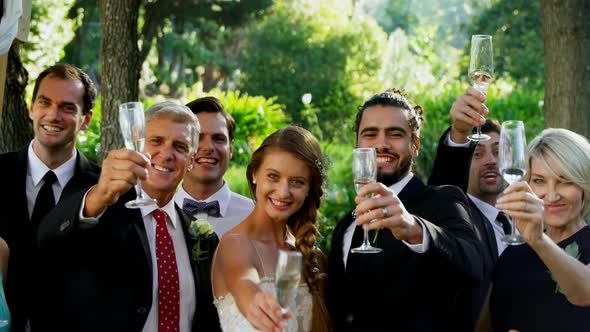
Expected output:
{"points": [[385, 210], [120, 172]]}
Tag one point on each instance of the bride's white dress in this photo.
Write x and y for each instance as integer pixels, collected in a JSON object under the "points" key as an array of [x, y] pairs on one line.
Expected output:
{"points": [[232, 320]]}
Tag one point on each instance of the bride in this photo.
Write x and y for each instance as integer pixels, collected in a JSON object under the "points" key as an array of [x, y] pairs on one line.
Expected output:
{"points": [[285, 176]]}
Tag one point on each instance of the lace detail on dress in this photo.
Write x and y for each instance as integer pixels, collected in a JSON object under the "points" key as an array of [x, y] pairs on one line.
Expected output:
{"points": [[232, 320]]}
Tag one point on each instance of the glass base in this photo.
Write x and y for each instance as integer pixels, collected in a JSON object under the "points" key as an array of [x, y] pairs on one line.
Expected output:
{"points": [[366, 249], [478, 137], [138, 203], [513, 240]]}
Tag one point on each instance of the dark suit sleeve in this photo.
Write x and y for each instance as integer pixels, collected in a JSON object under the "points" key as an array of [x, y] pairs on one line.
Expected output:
{"points": [[451, 164], [206, 317], [62, 221], [452, 236]]}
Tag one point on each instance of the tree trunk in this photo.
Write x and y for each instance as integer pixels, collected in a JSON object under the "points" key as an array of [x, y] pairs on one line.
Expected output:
{"points": [[566, 35], [15, 125], [120, 66]]}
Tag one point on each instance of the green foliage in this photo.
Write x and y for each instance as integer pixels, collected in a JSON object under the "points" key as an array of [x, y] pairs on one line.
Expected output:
{"points": [[300, 48], [49, 32], [89, 140], [506, 101], [518, 43]]}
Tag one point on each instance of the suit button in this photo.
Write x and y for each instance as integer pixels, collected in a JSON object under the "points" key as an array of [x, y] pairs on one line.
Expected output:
{"points": [[349, 318], [141, 310]]}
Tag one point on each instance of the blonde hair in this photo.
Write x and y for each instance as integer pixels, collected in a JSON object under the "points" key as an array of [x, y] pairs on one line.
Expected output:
{"points": [[570, 153]]}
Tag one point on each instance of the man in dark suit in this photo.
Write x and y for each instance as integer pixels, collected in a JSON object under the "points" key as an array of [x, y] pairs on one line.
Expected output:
{"points": [[63, 99], [141, 270], [474, 168], [430, 253]]}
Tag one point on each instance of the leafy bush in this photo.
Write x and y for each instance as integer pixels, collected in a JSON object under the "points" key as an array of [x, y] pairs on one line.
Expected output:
{"points": [[89, 140], [320, 49]]}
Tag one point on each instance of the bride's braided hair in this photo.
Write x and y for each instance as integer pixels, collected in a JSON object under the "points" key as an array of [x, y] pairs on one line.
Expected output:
{"points": [[303, 223]]}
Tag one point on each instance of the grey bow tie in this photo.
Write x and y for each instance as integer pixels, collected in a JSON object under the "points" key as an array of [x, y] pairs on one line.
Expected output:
{"points": [[192, 207]]}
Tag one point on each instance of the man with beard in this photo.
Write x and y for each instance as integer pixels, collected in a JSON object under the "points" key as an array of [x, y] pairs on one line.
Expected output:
{"points": [[474, 168], [204, 194], [430, 256]]}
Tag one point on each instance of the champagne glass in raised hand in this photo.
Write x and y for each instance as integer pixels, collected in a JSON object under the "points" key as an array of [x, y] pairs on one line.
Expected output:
{"points": [[287, 277], [481, 71], [512, 163], [132, 122], [364, 170]]}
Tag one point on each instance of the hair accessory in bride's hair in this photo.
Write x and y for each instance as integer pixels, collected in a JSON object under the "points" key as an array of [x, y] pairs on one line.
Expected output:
{"points": [[323, 166]]}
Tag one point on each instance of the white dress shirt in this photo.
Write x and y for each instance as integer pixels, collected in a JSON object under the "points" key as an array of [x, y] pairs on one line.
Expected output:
{"points": [[419, 248], [36, 170], [186, 279], [491, 213], [234, 208]]}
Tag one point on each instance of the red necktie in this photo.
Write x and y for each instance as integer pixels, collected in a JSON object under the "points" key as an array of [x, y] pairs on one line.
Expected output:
{"points": [[168, 287]]}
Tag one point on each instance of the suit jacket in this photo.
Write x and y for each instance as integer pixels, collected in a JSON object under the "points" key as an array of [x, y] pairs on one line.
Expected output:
{"points": [[398, 289], [451, 166], [20, 235], [109, 286]]}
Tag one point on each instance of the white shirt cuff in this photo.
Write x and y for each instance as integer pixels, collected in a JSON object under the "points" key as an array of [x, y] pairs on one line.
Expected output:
{"points": [[420, 248], [88, 222], [450, 142]]}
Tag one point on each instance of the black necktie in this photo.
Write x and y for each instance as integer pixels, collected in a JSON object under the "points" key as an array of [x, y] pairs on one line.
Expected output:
{"points": [[503, 220], [192, 207], [45, 200]]}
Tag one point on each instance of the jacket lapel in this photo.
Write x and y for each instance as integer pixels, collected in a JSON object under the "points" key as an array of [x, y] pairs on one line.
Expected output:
{"points": [[85, 175]]}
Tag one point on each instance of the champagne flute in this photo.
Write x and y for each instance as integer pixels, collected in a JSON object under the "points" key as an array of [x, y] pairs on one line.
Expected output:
{"points": [[512, 164], [481, 71], [364, 170], [132, 122], [287, 277]]}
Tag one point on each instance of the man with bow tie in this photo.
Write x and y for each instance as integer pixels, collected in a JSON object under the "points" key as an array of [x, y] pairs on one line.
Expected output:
{"points": [[204, 194]]}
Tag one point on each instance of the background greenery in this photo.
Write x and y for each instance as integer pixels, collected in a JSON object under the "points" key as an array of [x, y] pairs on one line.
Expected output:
{"points": [[261, 56]]}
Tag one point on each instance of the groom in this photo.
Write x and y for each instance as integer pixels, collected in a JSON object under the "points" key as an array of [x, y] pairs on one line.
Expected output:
{"points": [[133, 269]]}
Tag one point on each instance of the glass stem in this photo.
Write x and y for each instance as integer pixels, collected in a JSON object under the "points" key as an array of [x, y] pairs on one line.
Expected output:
{"points": [[366, 242], [513, 224]]}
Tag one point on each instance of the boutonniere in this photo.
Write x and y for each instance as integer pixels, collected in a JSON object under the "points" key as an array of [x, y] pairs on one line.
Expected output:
{"points": [[573, 250], [198, 230]]}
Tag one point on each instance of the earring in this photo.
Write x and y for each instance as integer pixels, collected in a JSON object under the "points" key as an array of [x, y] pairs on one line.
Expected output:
{"points": [[254, 181], [189, 167]]}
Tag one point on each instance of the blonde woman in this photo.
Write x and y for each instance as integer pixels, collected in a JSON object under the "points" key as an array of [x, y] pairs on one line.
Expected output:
{"points": [[544, 285]]}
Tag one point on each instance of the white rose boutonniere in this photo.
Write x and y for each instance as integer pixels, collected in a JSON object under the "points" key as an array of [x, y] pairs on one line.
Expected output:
{"points": [[199, 229]]}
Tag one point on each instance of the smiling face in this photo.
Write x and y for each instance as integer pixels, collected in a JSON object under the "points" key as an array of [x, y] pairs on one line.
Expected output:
{"points": [[563, 200], [215, 150], [168, 143], [485, 181], [386, 129], [282, 184], [57, 114]]}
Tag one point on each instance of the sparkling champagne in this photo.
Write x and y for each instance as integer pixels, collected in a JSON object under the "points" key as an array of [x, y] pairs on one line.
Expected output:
{"points": [[359, 183], [512, 175], [480, 79]]}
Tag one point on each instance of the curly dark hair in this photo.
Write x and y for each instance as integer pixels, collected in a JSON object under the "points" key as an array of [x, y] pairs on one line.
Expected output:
{"points": [[395, 98]]}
